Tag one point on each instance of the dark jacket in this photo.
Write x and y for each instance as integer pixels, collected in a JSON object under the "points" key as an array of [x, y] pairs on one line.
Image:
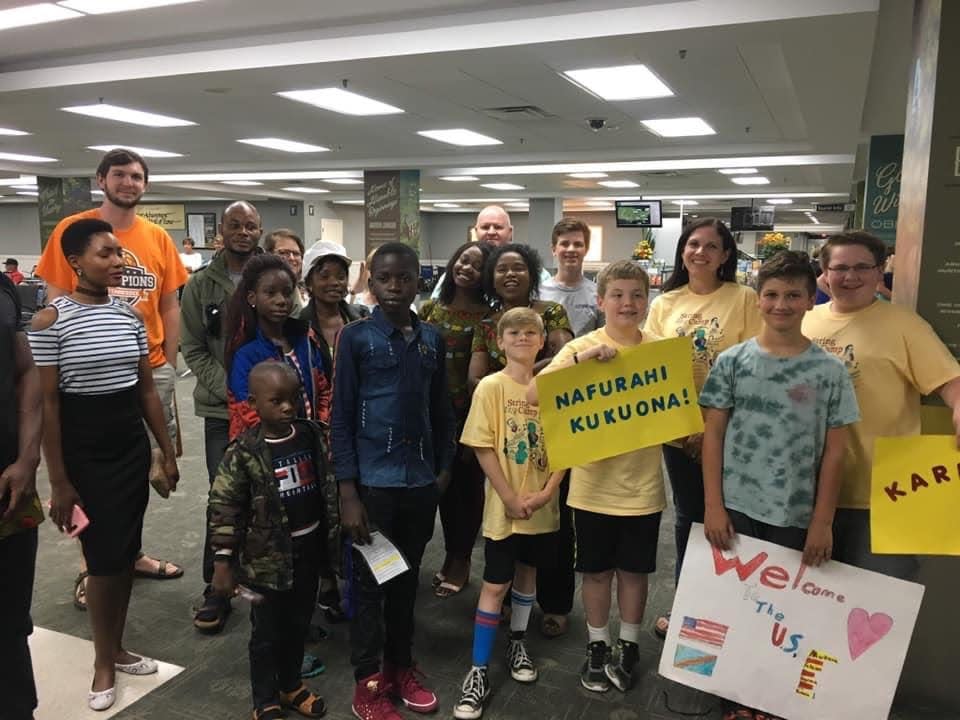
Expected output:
{"points": [[247, 516], [348, 312]]}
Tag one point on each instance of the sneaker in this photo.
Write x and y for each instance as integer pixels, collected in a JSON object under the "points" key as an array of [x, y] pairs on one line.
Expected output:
{"points": [[404, 685], [371, 700], [592, 676], [621, 672], [522, 668], [473, 694], [211, 617]]}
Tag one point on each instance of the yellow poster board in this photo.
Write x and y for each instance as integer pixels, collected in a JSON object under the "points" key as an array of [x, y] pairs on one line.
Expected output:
{"points": [[594, 410], [915, 495], [169, 217]]}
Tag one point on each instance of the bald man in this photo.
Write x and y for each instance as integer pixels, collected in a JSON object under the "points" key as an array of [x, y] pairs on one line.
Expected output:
{"points": [[203, 307]]}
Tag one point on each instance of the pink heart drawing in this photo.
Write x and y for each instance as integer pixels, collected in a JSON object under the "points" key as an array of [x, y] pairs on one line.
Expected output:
{"points": [[865, 630]]}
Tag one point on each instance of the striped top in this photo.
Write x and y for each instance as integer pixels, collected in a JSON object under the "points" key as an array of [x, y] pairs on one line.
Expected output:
{"points": [[97, 348]]}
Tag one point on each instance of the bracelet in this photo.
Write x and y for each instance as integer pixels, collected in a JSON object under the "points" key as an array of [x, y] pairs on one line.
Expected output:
{"points": [[576, 360]]}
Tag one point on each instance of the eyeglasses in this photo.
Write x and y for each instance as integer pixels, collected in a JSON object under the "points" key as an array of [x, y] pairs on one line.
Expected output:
{"points": [[855, 269], [289, 253]]}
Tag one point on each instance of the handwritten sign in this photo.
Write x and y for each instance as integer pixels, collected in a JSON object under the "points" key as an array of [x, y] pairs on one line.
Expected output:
{"points": [[595, 410], [169, 217], [756, 626], [915, 495]]}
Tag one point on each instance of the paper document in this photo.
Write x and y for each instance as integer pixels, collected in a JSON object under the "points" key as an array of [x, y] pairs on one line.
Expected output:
{"points": [[383, 557]]}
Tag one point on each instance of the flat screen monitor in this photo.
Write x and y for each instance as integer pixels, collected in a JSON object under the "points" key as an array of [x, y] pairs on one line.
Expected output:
{"points": [[758, 217], [638, 213]]}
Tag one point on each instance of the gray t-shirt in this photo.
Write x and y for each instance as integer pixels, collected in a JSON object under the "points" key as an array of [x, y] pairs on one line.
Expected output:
{"points": [[580, 303]]}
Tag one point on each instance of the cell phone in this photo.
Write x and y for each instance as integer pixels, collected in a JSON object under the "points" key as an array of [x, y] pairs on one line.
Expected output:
{"points": [[78, 521]]}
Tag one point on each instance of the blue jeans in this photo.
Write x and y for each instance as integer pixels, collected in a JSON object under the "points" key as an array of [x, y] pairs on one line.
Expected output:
{"points": [[686, 480]]}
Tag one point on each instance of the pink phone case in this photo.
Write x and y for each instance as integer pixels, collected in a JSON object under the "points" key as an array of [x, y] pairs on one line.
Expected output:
{"points": [[79, 520]]}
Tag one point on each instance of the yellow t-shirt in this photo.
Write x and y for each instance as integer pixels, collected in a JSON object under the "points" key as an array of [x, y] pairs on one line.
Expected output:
{"points": [[501, 418], [893, 357], [715, 322], [627, 484]]}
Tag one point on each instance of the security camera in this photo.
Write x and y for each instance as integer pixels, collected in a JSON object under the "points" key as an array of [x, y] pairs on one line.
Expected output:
{"points": [[597, 123]]}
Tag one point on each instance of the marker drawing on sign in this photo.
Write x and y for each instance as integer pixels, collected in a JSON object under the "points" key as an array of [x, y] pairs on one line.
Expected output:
{"points": [[865, 630], [811, 668], [705, 631], [694, 660]]}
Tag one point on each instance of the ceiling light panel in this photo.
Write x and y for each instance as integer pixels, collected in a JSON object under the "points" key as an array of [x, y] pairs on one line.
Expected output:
{"points": [[291, 146], [35, 14], [447, 205], [242, 183], [28, 193], [105, 111], [344, 181], [102, 7], [308, 190], [25, 187], [679, 127], [459, 136], [737, 171], [341, 101], [587, 175], [11, 132], [621, 82], [281, 175], [750, 180], [459, 178], [15, 157], [618, 183], [145, 152], [502, 186], [599, 203], [684, 202], [780, 201]]}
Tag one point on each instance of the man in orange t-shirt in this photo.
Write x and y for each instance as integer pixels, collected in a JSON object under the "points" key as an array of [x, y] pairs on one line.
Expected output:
{"points": [[151, 278]]}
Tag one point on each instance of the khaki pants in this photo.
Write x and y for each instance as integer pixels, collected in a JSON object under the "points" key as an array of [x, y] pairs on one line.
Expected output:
{"points": [[165, 380]]}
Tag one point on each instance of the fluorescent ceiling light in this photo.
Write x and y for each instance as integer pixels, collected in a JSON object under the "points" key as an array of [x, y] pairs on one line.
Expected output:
{"points": [[599, 203], [22, 180], [11, 132], [518, 205], [302, 189], [102, 7], [502, 186], [105, 111], [242, 183], [621, 82], [459, 136], [587, 175], [679, 127], [284, 145], [459, 178], [618, 183], [25, 187], [446, 205], [737, 171], [14, 157], [284, 175], [34, 15], [738, 196], [750, 180], [780, 201], [341, 101], [348, 202], [684, 202], [344, 181], [29, 193], [146, 152]]}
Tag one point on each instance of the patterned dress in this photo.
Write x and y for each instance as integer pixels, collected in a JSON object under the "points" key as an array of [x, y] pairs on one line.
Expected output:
{"points": [[554, 318]]}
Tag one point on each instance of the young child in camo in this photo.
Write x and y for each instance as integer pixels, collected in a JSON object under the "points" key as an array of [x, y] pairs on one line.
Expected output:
{"points": [[520, 512], [273, 505], [776, 411], [616, 502]]}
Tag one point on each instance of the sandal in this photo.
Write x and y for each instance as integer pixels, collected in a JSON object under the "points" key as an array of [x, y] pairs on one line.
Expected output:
{"points": [[553, 626], [161, 572], [662, 626], [304, 702], [80, 591], [270, 712], [438, 580], [311, 666], [446, 590]]}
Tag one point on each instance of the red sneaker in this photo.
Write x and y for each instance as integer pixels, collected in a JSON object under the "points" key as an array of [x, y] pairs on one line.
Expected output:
{"points": [[371, 700], [404, 684]]}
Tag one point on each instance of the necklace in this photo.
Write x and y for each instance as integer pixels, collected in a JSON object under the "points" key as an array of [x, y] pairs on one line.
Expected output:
{"points": [[91, 293]]}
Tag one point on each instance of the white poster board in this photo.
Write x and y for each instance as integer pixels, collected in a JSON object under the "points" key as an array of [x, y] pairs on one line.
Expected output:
{"points": [[753, 625]]}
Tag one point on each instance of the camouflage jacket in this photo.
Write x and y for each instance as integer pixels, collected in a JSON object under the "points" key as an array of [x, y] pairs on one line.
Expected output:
{"points": [[246, 514]]}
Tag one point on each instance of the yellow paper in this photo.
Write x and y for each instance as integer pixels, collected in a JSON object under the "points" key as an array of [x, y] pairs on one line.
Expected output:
{"points": [[594, 410], [915, 495]]}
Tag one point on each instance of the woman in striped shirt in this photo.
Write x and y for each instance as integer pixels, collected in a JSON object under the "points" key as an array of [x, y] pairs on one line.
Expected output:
{"points": [[91, 350]]}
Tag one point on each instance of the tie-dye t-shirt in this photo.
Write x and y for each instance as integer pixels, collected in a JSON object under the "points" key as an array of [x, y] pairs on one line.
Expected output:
{"points": [[780, 411]]}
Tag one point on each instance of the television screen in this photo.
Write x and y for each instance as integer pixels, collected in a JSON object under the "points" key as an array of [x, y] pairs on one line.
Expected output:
{"points": [[751, 218], [638, 213]]}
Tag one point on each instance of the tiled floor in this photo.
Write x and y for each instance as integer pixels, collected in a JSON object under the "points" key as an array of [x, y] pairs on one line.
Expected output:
{"points": [[214, 684]]}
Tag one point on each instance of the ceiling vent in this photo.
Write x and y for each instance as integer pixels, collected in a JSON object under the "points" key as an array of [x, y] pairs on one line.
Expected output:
{"points": [[518, 112]]}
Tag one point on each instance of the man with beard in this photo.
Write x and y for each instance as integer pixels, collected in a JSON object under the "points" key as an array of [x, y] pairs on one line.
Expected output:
{"points": [[153, 274], [204, 305]]}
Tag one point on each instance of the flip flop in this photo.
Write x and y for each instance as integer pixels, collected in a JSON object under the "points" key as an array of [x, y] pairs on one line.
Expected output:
{"points": [[438, 580], [311, 666], [553, 626], [161, 572], [80, 591], [662, 626], [446, 590]]}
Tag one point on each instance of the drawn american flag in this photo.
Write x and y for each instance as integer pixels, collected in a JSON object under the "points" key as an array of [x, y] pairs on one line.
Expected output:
{"points": [[705, 631]]}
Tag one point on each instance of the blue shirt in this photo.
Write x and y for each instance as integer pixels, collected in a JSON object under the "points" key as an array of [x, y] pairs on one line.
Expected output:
{"points": [[780, 411], [393, 422]]}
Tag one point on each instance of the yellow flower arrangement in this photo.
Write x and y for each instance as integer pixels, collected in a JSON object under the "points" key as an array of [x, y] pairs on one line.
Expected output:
{"points": [[772, 243], [643, 250]]}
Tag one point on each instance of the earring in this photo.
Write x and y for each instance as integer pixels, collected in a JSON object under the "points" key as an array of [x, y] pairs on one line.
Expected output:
{"points": [[252, 305], [79, 273]]}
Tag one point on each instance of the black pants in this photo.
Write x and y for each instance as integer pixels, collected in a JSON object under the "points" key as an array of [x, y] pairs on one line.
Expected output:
{"points": [[686, 480], [461, 507], [382, 622], [280, 624], [556, 586], [216, 437], [791, 537], [18, 693]]}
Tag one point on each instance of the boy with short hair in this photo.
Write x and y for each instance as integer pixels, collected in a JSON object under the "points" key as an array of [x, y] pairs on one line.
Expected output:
{"points": [[392, 432], [617, 502], [570, 243], [272, 505], [520, 512]]}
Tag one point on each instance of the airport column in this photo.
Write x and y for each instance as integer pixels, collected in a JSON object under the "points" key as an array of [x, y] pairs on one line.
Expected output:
{"points": [[542, 216]]}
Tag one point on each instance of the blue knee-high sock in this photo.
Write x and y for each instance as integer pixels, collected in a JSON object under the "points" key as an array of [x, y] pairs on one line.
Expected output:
{"points": [[484, 633]]}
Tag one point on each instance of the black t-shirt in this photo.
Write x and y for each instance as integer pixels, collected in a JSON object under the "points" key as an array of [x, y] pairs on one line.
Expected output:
{"points": [[295, 470], [10, 325]]}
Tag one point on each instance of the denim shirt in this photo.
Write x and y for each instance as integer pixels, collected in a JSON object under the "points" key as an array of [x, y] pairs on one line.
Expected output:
{"points": [[392, 422]]}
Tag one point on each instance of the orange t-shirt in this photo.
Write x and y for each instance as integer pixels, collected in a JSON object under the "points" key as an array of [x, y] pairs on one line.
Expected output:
{"points": [[153, 269]]}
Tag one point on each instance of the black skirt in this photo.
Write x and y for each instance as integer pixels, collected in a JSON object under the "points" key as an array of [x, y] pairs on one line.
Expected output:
{"points": [[106, 454]]}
